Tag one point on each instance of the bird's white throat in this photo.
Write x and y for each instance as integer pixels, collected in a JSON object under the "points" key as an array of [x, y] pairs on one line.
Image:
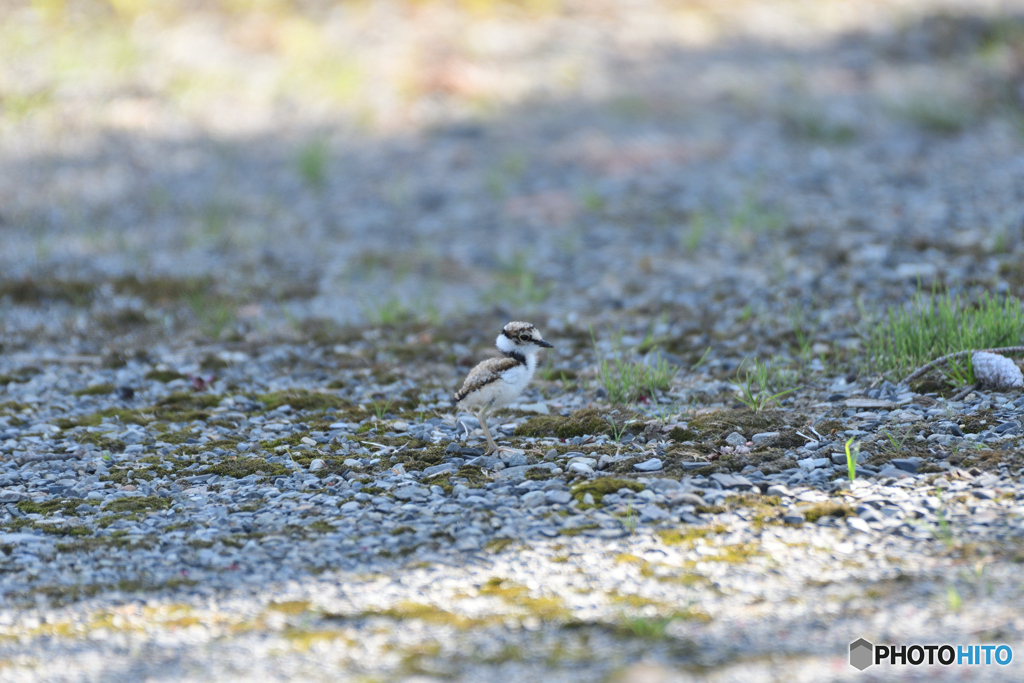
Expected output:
{"points": [[525, 351], [505, 345]]}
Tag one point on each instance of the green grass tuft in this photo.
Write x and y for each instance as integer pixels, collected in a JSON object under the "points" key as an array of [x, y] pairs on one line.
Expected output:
{"points": [[312, 164], [935, 325], [627, 381], [763, 384]]}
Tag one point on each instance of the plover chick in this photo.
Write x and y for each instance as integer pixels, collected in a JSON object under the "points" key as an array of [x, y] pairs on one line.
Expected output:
{"points": [[497, 382]]}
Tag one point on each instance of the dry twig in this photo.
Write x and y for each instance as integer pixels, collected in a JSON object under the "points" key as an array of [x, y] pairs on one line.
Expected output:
{"points": [[958, 354]]}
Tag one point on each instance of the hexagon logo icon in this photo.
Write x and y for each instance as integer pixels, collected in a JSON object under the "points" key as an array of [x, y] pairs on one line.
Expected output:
{"points": [[861, 654]]}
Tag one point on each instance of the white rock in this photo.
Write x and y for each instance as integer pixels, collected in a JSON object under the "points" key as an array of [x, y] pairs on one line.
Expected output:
{"points": [[580, 468], [763, 436], [559, 497], [872, 403], [813, 463], [316, 465], [533, 499], [400, 426], [652, 465], [736, 439], [411, 493], [652, 513], [540, 408], [996, 372], [859, 524]]}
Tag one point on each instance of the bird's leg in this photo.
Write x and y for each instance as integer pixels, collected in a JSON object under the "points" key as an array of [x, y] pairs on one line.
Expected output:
{"points": [[482, 417]]}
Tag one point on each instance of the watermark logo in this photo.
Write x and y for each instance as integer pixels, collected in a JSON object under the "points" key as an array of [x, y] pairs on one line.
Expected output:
{"points": [[864, 654], [861, 654]]}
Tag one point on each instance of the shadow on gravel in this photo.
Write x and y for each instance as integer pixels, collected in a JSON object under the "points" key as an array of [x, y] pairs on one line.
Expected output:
{"points": [[501, 209]]}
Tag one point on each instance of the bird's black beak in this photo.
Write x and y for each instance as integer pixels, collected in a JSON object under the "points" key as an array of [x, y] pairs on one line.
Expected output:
{"points": [[541, 342]]}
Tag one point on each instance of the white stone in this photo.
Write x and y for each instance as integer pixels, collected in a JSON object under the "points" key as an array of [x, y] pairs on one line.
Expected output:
{"points": [[813, 463], [652, 513], [533, 499], [652, 465], [736, 439], [996, 372], [580, 468], [411, 493], [859, 524]]}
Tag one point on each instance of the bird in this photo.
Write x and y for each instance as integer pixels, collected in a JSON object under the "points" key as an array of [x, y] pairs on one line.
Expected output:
{"points": [[497, 382]]}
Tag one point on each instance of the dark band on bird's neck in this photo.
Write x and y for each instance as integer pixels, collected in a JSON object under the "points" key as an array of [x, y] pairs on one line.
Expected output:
{"points": [[516, 355]]}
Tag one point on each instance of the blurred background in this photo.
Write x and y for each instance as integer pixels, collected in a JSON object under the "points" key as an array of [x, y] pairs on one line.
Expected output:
{"points": [[249, 169]]}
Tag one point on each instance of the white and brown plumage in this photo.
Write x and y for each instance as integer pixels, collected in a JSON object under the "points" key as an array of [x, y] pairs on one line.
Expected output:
{"points": [[497, 382]]}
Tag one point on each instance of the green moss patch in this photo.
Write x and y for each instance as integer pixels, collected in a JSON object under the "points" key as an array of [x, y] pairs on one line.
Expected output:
{"points": [[74, 530], [301, 399], [770, 461], [428, 613], [164, 375], [544, 608], [688, 534], [138, 504], [103, 443], [88, 544], [496, 545], [990, 460], [712, 427], [19, 376], [65, 506], [602, 486], [932, 385], [243, 467], [95, 390], [146, 469], [176, 438], [291, 607], [421, 455], [34, 291], [182, 400], [185, 407], [978, 422], [680, 435], [124, 415], [588, 421], [829, 508]]}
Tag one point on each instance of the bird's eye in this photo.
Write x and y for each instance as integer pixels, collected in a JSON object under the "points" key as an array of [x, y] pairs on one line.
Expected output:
{"points": [[523, 338]]}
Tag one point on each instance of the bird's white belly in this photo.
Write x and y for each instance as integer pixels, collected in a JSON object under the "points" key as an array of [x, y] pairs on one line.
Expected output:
{"points": [[502, 391]]}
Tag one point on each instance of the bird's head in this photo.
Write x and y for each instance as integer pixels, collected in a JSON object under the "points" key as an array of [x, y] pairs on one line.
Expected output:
{"points": [[520, 337]]}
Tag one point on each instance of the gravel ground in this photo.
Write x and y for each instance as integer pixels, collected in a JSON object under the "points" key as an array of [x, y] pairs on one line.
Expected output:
{"points": [[235, 304]]}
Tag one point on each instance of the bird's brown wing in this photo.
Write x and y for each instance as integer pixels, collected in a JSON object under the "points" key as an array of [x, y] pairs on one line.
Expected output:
{"points": [[483, 374]]}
